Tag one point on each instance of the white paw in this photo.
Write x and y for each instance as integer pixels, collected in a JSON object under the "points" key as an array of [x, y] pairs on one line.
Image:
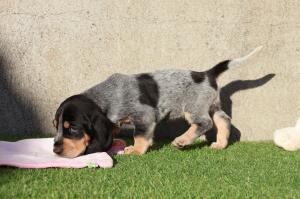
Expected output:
{"points": [[181, 142], [218, 145], [130, 150]]}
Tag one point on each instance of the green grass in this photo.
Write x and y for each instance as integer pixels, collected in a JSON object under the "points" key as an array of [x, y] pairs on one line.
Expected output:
{"points": [[243, 170]]}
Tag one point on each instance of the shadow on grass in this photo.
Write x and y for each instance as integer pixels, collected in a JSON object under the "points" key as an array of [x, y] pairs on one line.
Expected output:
{"points": [[7, 175], [197, 145]]}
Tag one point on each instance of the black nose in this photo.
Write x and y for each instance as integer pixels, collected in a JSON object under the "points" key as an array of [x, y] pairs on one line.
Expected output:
{"points": [[58, 148]]}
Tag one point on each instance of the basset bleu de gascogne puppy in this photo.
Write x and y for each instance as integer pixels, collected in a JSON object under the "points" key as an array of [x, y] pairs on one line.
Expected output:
{"points": [[85, 122]]}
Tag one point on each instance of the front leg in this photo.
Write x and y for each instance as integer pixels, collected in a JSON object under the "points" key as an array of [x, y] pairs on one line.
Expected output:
{"points": [[142, 141], [141, 145], [186, 138], [199, 125]]}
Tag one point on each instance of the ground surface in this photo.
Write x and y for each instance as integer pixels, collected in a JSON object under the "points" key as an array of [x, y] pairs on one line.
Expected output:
{"points": [[243, 170]]}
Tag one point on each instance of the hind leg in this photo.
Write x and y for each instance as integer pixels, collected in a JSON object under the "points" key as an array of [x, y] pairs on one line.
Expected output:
{"points": [[222, 123], [199, 125]]}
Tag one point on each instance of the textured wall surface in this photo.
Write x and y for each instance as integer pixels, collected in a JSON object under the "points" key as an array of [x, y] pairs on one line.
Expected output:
{"points": [[50, 50]]}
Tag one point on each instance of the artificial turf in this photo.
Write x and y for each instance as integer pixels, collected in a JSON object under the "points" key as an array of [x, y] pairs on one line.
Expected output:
{"points": [[243, 170]]}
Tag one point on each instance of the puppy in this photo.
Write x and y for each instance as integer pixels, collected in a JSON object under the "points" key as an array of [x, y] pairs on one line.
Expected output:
{"points": [[85, 122], [81, 127], [288, 138]]}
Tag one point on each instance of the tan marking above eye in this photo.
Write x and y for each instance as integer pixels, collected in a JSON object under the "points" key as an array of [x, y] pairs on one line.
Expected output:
{"points": [[66, 125]]}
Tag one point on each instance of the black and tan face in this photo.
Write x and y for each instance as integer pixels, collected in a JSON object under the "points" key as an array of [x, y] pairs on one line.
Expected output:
{"points": [[70, 141], [81, 128]]}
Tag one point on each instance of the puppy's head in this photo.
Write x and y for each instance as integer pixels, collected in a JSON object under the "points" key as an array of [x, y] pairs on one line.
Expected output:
{"points": [[82, 128]]}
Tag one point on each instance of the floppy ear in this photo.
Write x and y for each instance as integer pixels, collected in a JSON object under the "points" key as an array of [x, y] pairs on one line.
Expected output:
{"points": [[57, 114], [100, 128]]}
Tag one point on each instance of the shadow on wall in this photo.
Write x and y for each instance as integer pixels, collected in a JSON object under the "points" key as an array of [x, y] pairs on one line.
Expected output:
{"points": [[226, 102], [168, 130], [17, 114]]}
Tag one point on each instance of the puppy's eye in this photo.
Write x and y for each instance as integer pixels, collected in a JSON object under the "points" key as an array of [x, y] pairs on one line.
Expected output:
{"points": [[73, 131]]}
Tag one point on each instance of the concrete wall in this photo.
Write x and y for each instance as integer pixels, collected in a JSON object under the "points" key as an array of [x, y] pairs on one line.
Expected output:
{"points": [[50, 50]]}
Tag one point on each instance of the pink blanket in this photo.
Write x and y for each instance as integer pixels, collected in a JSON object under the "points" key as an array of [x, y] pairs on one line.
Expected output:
{"points": [[37, 153]]}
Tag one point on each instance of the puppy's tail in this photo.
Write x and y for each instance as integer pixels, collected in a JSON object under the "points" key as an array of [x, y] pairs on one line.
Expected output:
{"points": [[229, 64]]}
